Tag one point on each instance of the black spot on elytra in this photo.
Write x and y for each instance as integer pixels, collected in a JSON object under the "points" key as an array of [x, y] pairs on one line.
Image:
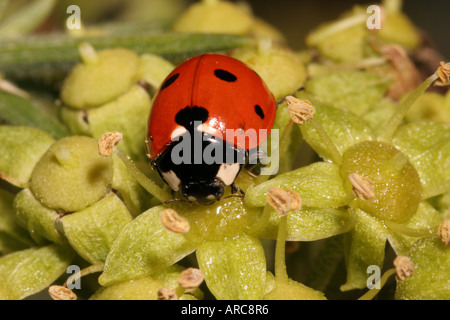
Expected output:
{"points": [[187, 116], [259, 111], [225, 75], [169, 81]]}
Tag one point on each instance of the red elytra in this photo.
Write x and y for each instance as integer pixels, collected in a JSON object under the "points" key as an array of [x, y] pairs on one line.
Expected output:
{"points": [[235, 97]]}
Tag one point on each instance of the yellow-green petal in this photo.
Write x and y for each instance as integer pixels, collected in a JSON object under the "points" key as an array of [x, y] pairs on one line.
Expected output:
{"points": [[92, 231], [364, 247], [234, 269], [20, 149], [36, 218], [318, 184], [431, 276], [143, 247], [27, 272]]}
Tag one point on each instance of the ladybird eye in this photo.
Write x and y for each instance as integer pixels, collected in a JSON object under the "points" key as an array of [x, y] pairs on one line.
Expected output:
{"points": [[259, 111], [225, 75], [169, 81]]}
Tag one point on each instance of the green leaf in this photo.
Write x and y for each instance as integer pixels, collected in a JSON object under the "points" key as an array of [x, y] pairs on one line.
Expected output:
{"points": [[428, 147], [12, 236], [431, 277], [92, 231], [39, 220], [20, 150], [49, 58], [364, 246], [350, 90], [19, 111], [234, 269], [27, 272], [143, 247], [309, 224], [319, 185], [344, 128]]}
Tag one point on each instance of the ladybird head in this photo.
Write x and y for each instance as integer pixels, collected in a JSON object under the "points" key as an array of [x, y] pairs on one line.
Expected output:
{"points": [[203, 192]]}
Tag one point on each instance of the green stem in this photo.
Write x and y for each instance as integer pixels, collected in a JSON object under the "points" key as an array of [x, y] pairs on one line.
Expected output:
{"points": [[336, 156], [261, 223], [84, 272], [403, 108], [143, 180], [280, 256], [369, 295]]}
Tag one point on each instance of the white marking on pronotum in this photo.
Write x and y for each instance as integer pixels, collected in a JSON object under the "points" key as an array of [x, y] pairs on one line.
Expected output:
{"points": [[172, 179], [228, 172], [179, 131], [205, 128]]}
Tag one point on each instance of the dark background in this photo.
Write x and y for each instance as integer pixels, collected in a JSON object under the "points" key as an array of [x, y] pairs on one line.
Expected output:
{"points": [[295, 18]]}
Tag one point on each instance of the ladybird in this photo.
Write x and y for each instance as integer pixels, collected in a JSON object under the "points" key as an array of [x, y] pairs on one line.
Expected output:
{"points": [[207, 115]]}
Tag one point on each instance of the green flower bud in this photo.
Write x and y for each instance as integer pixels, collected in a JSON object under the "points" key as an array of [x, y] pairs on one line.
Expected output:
{"points": [[102, 77], [214, 16], [281, 69], [71, 175]]}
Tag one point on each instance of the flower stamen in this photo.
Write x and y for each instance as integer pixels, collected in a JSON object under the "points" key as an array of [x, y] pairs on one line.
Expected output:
{"points": [[174, 222], [283, 200], [61, 293], [108, 141], [404, 267], [190, 278], [167, 294], [444, 232], [362, 186], [300, 110], [443, 72]]}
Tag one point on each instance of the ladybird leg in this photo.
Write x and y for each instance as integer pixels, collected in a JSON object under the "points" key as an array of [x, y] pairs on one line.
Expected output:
{"points": [[254, 164], [236, 189]]}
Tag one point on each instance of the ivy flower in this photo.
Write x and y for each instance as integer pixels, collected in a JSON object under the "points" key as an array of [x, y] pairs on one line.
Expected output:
{"points": [[380, 174]]}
